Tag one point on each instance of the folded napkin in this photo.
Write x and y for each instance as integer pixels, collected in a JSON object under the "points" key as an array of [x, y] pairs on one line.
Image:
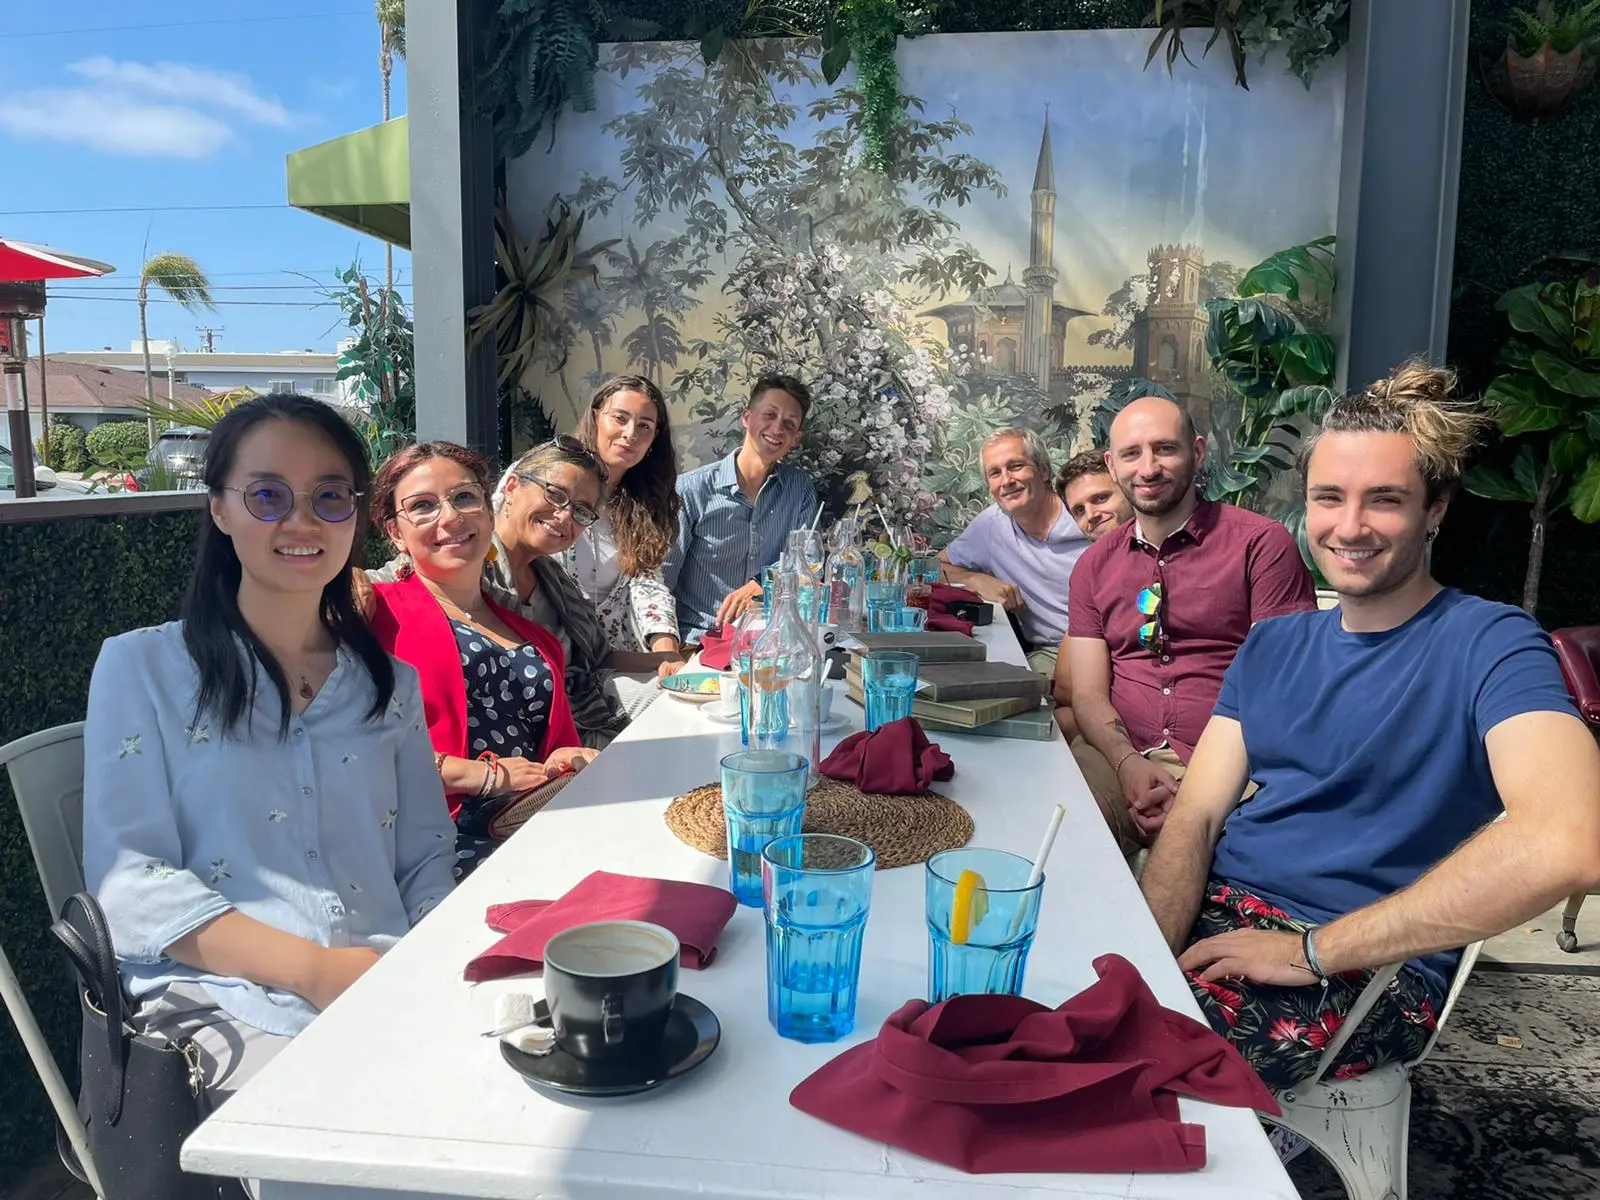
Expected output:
{"points": [[695, 912], [993, 1084], [897, 759], [716, 650], [943, 595], [945, 623]]}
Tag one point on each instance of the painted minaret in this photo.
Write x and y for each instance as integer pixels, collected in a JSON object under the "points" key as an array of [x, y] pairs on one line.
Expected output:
{"points": [[1040, 277]]}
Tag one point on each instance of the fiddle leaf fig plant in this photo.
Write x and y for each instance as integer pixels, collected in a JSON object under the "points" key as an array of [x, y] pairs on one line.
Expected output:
{"points": [[1546, 402]]}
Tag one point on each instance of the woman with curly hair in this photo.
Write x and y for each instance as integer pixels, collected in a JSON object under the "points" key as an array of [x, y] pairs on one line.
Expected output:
{"points": [[616, 562]]}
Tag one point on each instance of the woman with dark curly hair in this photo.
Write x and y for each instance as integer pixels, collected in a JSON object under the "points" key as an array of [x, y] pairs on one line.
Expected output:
{"points": [[616, 562]]}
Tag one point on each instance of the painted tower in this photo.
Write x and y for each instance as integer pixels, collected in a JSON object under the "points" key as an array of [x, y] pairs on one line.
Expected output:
{"points": [[1169, 337], [1039, 279]]}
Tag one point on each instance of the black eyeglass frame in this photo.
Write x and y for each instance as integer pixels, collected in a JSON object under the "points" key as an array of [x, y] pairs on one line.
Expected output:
{"points": [[294, 501]]}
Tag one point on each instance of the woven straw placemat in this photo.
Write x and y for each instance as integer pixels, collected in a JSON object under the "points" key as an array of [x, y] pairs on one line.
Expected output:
{"points": [[900, 829]]}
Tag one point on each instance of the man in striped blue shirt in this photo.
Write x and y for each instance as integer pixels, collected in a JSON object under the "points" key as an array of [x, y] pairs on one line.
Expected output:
{"points": [[738, 511]]}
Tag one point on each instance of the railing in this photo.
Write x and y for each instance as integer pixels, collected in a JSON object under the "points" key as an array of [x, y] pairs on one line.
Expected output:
{"points": [[93, 504]]}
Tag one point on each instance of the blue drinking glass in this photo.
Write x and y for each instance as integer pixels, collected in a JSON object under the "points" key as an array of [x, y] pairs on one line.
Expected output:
{"points": [[883, 599], [889, 679], [817, 889], [995, 954], [763, 797], [905, 620]]}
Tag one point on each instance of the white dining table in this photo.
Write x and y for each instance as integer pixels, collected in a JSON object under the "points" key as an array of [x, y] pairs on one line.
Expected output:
{"points": [[395, 1092]]}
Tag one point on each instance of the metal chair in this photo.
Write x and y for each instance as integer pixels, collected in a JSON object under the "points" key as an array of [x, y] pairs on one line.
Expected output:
{"points": [[46, 771], [1363, 1125], [1578, 648]]}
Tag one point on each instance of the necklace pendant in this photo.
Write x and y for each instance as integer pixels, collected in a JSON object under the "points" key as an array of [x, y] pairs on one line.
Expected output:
{"points": [[306, 692]]}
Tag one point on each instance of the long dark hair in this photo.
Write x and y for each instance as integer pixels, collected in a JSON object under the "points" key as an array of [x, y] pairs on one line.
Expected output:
{"points": [[211, 618], [644, 505]]}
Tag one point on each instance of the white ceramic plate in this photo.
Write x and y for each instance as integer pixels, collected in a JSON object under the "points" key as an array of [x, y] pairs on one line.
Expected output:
{"points": [[690, 686]]}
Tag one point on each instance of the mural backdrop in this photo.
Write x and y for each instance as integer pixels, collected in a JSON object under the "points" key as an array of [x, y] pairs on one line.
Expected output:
{"points": [[1055, 219]]}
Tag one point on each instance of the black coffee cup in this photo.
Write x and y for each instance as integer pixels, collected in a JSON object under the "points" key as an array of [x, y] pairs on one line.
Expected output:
{"points": [[610, 986]]}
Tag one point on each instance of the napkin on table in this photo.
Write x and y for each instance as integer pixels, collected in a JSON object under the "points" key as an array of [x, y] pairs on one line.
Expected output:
{"points": [[896, 759], [695, 912], [945, 623], [716, 650], [1002, 1083]]}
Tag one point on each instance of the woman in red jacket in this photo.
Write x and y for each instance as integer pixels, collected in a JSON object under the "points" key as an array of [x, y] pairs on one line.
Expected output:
{"points": [[493, 688]]}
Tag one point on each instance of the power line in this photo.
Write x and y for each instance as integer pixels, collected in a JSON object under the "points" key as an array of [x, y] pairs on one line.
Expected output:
{"points": [[147, 208], [34, 33], [217, 303], [227, 287]]}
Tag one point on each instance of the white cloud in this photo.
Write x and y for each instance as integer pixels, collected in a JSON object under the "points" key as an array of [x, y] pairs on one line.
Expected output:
{"points": [[174, 81], [159, 110]]}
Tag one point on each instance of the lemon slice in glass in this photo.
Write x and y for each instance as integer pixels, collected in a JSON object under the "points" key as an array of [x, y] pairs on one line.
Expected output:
{"points": [[970, 906]]}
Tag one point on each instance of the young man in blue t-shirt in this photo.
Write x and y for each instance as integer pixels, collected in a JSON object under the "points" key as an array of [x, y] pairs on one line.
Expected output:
{"points": [[1384, 736]]}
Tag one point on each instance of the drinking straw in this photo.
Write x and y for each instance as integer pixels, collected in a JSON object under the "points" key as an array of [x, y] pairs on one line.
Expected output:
{"points": [[888, 529], [816, 519], [1035, 875]]}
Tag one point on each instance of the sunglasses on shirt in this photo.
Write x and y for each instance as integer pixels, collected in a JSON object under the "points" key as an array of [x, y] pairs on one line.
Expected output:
{"points": [[1151, 635]]}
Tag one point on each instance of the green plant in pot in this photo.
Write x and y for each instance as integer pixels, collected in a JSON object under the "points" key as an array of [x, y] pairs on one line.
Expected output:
{"points": [[1549, 58], [1547, 404]]}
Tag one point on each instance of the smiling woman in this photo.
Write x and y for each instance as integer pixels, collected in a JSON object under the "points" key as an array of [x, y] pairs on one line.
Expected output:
{"points": [[493, 683]]}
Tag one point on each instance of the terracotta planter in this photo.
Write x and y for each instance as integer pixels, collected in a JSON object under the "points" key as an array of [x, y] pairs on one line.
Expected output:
{"points": [[1541, 85]]}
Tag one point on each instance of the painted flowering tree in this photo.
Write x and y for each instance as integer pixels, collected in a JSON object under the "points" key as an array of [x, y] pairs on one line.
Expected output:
{"points": [[830, 260]]}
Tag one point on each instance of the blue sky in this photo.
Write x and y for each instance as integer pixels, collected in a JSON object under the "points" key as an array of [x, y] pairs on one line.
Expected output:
{"points": [[180, 108]]}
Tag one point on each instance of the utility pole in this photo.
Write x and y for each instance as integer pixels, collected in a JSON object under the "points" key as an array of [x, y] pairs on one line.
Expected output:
{"points": [[208, 335]]}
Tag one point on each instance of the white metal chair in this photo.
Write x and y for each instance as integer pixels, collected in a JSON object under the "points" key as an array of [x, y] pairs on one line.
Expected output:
{"points": [[46, 771], [1363, 1125]]}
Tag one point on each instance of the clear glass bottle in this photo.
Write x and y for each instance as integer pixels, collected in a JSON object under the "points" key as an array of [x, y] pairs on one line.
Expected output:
{"points": [[786, 670], [747, 632], [807, 559], [847, 579]]}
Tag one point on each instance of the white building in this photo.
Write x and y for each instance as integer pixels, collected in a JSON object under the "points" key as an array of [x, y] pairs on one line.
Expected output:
{"points": [[222, 371]]}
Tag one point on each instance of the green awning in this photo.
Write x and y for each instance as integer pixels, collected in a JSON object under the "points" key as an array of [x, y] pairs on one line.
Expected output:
{"points": [[361, 180]]}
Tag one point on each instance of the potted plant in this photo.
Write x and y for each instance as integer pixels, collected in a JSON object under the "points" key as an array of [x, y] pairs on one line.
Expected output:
{"points": [[1547, 404], [1549, 58]]}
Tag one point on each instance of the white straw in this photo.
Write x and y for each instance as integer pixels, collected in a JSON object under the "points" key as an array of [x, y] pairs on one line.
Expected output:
{"points": [[1035, 875], [818, 517], [888, 529]]}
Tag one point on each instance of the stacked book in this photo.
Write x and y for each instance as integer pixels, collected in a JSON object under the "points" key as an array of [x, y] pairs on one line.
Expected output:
{"points": [[960, 690]]}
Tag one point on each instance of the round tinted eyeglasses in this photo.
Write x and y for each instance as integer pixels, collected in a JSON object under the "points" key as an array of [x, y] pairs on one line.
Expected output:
{"points": [[272, 500]]}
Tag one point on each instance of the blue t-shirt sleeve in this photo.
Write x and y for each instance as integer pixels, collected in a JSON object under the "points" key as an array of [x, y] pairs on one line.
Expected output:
{"points": [[1520, 673], [1233, 679]]}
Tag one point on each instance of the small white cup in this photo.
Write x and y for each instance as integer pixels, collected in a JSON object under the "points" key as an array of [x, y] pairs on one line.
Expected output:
{"points": [[824, 702], [727, 702]]}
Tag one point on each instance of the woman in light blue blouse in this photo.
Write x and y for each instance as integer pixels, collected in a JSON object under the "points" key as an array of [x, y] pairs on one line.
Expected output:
{"points": [[261, 814]]}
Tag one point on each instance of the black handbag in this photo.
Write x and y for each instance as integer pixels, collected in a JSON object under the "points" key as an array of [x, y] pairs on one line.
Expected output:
{"points": [[141, 1094]]}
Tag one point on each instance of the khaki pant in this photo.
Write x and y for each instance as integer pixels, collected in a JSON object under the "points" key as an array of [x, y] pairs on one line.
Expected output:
{"points": [[1107, 790], [1042, 660]]}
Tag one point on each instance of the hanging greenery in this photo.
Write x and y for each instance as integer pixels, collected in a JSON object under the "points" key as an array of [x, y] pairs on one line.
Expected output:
{"points": [[540, 58], [866, 31], [1312, 31]]}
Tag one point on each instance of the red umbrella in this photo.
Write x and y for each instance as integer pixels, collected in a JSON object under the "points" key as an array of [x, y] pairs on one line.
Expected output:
{"points": [[26, 262]]}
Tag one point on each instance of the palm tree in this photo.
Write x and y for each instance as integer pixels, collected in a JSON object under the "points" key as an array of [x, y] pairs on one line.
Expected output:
{"points": [[391, 44], [181, 278]]}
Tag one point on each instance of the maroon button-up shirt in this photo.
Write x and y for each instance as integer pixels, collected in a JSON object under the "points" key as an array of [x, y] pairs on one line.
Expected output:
{"points": [[1226, 569]]}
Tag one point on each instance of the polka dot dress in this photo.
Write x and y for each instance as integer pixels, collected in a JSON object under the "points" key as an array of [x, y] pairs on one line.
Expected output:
{"points": [[509, 691]]}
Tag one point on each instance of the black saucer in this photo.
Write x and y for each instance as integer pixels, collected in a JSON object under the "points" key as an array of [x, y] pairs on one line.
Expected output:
{"points": [[692, 1034]]}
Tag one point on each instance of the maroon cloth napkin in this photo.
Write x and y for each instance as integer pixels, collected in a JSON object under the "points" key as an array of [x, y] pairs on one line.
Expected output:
{"points": [[716, 650], [945, 623], [993, 1084], [943, 595], [695, 912], [897, 759]]}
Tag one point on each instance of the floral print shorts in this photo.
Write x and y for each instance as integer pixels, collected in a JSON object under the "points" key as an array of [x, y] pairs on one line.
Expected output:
{"points": [[1282, 1031]]}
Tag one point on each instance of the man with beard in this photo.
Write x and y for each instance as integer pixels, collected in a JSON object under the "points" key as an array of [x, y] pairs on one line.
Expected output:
{"points": [[1158, 609], [1386, 736], [1020, 551], [738, 511], [1097, 504]]}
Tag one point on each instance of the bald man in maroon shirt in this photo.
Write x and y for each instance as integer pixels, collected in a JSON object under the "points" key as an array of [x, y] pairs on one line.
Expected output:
{"points": [[1156, 612]]}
